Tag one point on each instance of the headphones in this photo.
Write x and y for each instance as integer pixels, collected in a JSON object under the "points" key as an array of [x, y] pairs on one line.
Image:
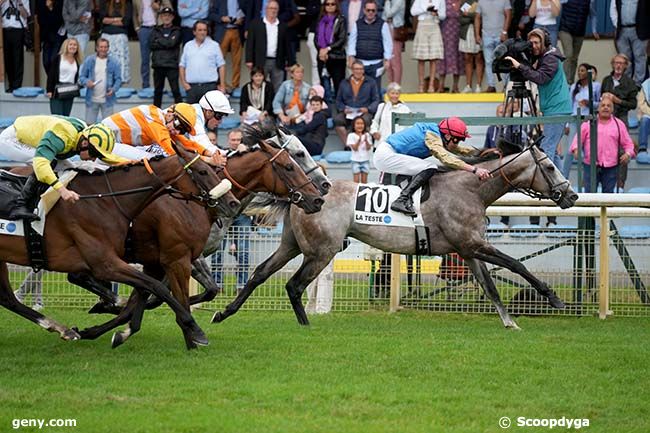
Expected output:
{"points": [[547, 36]]}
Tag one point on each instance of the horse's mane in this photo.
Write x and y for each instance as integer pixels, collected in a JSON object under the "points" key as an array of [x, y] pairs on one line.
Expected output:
{"points": [[252, 134], [271, 207]]}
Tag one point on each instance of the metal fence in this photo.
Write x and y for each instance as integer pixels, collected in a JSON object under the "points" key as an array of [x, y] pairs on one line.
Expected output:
{"points": [[561, 257]]}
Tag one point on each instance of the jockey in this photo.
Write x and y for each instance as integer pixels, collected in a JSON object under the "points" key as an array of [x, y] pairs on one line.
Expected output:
{"points": [[148, 125], [44, 139], [212, 107], [417, 151]]}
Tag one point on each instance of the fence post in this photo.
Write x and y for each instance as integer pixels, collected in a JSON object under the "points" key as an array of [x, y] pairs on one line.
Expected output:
{"points": [[604, 264], [395, 280]]}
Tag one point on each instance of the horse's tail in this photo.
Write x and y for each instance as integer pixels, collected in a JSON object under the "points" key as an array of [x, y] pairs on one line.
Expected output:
{"points": [[271, 208]]}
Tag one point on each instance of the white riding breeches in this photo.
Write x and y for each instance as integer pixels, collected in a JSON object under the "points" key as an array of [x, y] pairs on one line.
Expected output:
{"points": [[12, 149], [389, 161], [137, 153]]}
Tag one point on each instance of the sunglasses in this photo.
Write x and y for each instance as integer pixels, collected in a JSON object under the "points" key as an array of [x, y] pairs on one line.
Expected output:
{"points": [[330, 4], [180, 126], [371, 10], [218, 115]]}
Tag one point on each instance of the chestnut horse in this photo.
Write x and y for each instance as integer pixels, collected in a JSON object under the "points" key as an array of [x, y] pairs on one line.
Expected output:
{"points": [[88, 237], [170, 253]]}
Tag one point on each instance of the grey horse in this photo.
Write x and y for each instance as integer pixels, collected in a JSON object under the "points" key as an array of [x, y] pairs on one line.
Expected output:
{"points": [[454, 214]]}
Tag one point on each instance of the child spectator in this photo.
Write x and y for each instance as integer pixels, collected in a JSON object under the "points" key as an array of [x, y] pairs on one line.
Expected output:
{"points": [[360, 141], [313, 134], [316, 90], [213, 138]]}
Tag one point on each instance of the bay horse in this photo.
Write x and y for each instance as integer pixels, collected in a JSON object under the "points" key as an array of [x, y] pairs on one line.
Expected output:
{"points": [[263, 168], [88, 237], [454, 214]]}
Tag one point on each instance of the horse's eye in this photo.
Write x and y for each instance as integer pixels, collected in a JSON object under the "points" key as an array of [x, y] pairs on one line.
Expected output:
{"points": [[289, 167], [300, 154], [203, 172], [550, 167]]}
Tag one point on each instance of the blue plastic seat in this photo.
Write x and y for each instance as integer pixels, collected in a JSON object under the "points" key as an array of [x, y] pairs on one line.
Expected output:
{"points": [[634, 232], [317, 157], [6, 122], [639, 190], [562, 231], [643, 158], [230, 122], [236, 93], [124, 92], [524, 231], [146, 93], [330, 123], [496, 230], [28, 92], [339, 157]]}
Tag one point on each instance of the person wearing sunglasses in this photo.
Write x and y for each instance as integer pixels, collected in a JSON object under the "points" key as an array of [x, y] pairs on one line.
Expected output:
{"points": [[44, 139], [419, 150], [146, 131]]}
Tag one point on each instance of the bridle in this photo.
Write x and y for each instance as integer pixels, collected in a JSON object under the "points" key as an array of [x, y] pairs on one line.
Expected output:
{"points": [[275, 142], [558, 190], [295, 196]]}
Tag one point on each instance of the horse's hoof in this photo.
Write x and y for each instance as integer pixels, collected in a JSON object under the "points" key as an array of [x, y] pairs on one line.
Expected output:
{"points": [[218, 317], [513, 326], [117, 340], [556, 302], [198, 337], [70, 335]]}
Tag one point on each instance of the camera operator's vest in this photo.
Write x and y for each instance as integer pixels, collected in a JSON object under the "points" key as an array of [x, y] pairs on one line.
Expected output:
{"points": [[370, 45], [554, 97]]}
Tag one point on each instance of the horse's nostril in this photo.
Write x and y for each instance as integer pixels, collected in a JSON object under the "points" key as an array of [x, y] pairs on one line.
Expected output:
{"points": [[233, 204], [327, 185], [319, 201]]}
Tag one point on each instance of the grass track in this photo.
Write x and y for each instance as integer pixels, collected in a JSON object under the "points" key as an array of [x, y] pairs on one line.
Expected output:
{"points": [[365, 372]]}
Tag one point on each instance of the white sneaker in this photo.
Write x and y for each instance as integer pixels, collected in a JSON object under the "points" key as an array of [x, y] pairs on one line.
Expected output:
{"points": [[467, 89], [477, 89], [37, 307]]}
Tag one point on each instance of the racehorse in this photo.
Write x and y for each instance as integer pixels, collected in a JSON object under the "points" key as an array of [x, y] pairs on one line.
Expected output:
{"points": [[88, 237], [454, 214], [169, 253]]}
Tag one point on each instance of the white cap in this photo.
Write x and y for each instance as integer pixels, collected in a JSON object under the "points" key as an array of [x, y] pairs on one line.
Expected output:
{"points": [[216, 101]]}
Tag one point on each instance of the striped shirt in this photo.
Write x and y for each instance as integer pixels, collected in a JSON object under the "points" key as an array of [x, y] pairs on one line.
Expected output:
{"points": [[145, 125]]}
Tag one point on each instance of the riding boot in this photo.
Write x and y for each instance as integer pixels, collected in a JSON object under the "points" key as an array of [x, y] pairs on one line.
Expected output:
{"points": [[21, 209], [404, 203]]}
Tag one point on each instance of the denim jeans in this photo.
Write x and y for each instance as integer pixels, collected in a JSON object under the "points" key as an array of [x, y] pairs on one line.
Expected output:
{"points": [[568, 156], [552, 135], [606, 177], [92, 112], [240, 230], [644, 130], [145, 54], [489, 44]]}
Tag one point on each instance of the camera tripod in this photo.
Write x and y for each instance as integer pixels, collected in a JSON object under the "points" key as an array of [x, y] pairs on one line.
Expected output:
{"points": [[519, 134]]}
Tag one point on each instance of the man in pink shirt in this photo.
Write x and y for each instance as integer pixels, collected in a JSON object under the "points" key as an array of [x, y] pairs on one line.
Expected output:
{"points": [[612, 135]]}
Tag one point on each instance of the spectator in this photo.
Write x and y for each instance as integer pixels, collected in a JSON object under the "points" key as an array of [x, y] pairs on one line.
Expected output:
{"points": [[554, 99], [266, 45], [100, 74], [49, 14], [643, 103], [320, 292], [201, 65], [256, 94], [352, 10], [360, 142], [580, 104], [32, 284], [545, 13], [357, 96], [394, 14], [371, 43], [612, 135], [190, 12], [77, 18], [428, 45], [229, 34], [315, 90], [240, 230], [213, 138], [288, 14], [116, 17], [520, 23], [490, 28], [313, 133], [451, 63], [164, 44], [492, 134], [573, 23], [145, 13], [64, 70], [313, 15], [14, 20], [382, 123], [631, 18], [290, 100], [472, 53], [330, 40], [621, 87]]}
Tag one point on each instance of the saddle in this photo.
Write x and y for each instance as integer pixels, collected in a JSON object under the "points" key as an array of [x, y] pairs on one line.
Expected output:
{"points": [[11, 187]]}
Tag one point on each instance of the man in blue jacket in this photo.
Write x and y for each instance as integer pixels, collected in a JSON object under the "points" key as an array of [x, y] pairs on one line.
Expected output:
{"points": [[101, 76], [357, 96]]}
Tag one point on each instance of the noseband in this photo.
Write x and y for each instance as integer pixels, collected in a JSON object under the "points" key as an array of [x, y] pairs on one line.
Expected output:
{"points": [[557, 192]]}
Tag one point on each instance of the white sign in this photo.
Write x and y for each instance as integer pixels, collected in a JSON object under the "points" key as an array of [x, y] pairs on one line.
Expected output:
{"points": [[12, 228], [372, 206]]}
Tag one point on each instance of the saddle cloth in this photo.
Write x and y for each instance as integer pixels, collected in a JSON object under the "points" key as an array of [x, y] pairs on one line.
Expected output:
{"points": [[372, 206]]}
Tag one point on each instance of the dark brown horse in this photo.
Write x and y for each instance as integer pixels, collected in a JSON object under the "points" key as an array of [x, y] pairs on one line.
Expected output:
{"points": [[88, 237], [170, 253]]}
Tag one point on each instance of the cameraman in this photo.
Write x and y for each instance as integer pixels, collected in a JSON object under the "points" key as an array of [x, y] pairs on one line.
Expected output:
{"points": [[554, 98], [14, 21]]}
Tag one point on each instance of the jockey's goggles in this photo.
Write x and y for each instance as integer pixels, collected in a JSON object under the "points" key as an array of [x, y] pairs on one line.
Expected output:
{"points": [[179, 125]]}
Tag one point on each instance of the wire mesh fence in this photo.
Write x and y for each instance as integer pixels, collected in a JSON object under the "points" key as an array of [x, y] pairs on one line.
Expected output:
{"points": [[567, 259]]}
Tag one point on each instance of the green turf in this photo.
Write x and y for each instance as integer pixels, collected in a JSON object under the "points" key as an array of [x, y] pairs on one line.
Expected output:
{"points": [[361, 372]]}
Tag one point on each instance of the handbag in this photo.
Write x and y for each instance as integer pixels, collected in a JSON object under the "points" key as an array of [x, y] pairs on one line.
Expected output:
{"points": [[401, 34], [66, 91]]}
